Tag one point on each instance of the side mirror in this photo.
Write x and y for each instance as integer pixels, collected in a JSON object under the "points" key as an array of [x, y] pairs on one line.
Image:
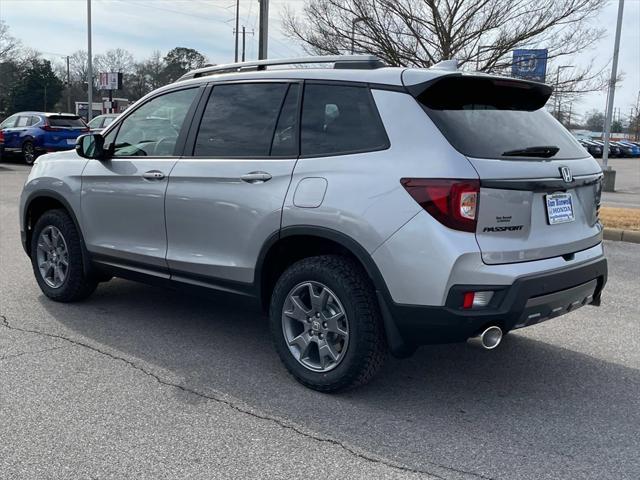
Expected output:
{"points": [[90, 146]]}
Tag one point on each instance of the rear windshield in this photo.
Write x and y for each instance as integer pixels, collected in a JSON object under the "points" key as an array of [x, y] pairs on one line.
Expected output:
{"points": [[488, 118], [72, 122]]}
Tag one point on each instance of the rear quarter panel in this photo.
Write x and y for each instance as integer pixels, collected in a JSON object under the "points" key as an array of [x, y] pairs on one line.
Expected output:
{"points": [[364, 198]]}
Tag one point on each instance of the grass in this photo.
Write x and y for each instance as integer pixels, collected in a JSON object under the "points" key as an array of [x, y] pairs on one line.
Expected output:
{"points": [[624, 218]]}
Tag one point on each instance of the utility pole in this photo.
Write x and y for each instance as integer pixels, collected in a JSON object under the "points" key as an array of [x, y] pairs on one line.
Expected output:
{"points": [[89, 65], [610, 175], [263, 33], [556, 101], [68, 87], [237, 24], [244, 41]]}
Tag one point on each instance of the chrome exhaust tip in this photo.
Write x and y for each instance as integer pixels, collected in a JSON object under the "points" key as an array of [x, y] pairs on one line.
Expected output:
{"points": [[489, 339]]}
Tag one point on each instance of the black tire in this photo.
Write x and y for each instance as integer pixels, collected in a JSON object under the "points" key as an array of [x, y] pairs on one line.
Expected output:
{"points": [[76, 286], [366, 350], [29, 153]]}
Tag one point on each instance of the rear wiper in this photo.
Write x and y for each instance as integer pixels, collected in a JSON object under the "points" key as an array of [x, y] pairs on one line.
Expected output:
{"points": [[544, 151]]}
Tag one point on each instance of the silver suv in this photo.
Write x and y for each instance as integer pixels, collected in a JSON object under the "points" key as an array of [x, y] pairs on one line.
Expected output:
{"points": [[367, 209]]}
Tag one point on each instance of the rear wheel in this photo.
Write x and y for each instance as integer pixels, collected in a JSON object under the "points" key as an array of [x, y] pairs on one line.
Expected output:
{"points": [[326, 325], [29, 153], [56, 257]]}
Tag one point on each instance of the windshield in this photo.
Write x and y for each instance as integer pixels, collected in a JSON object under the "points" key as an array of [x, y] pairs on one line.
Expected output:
{"points": [[489, 118]]}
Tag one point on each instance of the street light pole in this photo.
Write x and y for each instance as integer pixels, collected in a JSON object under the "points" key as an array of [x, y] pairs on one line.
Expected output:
{"points": [[89, 66], [68, 87], [609, 174]]}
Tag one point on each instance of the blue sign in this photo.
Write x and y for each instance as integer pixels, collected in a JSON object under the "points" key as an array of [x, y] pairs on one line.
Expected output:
{"points": [[530, 64]]}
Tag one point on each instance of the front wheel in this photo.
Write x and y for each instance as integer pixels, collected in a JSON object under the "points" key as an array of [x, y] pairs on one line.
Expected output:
{"points": [[56, 257], [325, 323]]}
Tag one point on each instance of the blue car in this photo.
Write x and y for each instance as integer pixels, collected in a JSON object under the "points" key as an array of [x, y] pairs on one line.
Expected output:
{"points": [[632, 147], [34, 133]]}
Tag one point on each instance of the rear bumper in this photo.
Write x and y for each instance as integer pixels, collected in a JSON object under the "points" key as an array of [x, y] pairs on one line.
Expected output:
{"points": [[529, 300]]}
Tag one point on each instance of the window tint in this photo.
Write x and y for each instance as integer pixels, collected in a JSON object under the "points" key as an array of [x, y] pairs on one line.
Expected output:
{"points": [[485, 118], [340, 119], [285, 138], [153, 129], [239, 120], [22, 122], [66, 122]]}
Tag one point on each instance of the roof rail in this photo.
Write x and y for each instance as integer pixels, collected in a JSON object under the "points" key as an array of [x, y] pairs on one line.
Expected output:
{"points": [[365, 62]]}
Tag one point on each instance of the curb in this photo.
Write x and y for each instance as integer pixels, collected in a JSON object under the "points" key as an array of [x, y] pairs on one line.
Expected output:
{"points": [[619, 235]]}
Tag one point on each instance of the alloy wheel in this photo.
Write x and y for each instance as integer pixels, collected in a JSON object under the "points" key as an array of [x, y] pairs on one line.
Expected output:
{"points": [[53, 256], [315, 326]]}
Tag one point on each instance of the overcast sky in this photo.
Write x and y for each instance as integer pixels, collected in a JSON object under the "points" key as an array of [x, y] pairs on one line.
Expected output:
{"points": [[141, 26]]}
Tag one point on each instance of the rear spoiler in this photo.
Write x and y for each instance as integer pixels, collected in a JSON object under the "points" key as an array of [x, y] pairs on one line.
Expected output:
{"points": [[455, 89]]}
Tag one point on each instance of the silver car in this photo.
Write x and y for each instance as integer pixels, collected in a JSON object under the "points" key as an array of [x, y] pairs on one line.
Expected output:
{"points": [[368, 209]]}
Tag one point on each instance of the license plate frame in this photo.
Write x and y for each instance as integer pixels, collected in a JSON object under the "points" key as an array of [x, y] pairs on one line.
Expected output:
{"points": [[559, 208]]}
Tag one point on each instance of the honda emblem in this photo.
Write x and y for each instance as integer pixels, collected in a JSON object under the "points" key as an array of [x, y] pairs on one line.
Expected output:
{"points": [[566, 174]]}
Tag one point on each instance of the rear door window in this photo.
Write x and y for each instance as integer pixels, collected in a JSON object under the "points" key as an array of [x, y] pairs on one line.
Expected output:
{"points": [[338, 119], [495, 118], [22, 122], [240, 121]]}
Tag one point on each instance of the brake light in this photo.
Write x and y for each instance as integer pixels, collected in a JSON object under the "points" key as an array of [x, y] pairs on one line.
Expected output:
{"points": [[49, 128], [1, 136], [454, 203]]}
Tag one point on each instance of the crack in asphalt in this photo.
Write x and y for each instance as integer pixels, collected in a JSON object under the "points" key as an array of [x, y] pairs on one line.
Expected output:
{"points": [[34, 352], [219, 398]]}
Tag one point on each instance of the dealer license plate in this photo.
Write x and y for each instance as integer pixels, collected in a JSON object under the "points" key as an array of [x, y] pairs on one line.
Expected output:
{"points": [[559, 208]]}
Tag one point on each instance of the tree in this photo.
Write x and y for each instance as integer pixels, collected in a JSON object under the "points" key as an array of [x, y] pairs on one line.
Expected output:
{"points": [[39, 87], [423, 32], [594, 121], [180, 60], [114, 60], [616, 126], [8, 44]]}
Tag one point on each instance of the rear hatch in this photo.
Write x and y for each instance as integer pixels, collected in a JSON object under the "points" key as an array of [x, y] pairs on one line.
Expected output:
{"points": [[65, 127], [539, 188]]}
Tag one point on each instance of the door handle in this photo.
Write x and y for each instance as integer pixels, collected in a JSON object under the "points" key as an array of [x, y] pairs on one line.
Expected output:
{"points": [[256, 177], [153, 175]]}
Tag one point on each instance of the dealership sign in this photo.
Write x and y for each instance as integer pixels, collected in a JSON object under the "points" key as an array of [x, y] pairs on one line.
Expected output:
{"points": [[530, 64], [111, 81]]}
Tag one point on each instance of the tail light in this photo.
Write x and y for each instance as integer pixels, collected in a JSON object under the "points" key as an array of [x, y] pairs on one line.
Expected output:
{"points": [[598, 198], [49, 128], [454, 203], [1, 136]]}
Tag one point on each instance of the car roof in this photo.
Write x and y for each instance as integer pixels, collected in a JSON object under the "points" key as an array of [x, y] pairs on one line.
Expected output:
{"points": [[47, 114]]}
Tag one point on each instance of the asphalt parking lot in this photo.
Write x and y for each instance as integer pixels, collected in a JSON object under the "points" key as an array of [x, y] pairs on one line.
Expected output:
{"points": [[627, 194], [139, 382]]}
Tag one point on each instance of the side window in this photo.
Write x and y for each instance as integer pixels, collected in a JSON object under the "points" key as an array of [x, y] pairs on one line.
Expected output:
{"points": [[340, 119], [22, 121], [34, 120], [9, 122], [285, 138], [152, 130], [239, 120]]}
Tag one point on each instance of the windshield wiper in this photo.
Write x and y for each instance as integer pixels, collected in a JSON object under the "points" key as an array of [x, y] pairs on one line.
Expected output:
{"points": [[544, 151]]}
